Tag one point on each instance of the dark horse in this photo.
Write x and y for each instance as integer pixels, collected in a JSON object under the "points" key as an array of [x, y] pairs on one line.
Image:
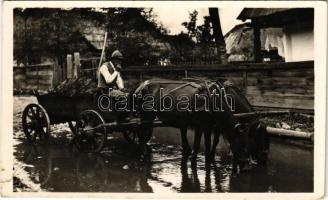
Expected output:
{"points": [[258, 138], [184, 104]]}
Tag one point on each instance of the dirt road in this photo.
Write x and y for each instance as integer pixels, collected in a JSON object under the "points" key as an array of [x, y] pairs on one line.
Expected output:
{"points": [[54, 167]]}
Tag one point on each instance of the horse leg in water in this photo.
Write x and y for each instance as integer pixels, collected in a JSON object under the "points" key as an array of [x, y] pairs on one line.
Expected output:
{"points": [[215, 143], [197, 138], [207, 144], [184, 140], [142, 144]]}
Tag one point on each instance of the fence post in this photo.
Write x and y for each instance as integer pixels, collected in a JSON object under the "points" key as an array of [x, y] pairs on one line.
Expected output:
{"points": [[38, 77], [69, 66], [245, 81], [94, 67], [76, 72], [55, 75], [141, 77], [186, 73]]}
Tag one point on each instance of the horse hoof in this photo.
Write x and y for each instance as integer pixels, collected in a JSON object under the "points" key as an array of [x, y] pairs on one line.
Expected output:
{"points": [[186, 152], [194, 156], [208, 164], [193, 163], [212, 157]]}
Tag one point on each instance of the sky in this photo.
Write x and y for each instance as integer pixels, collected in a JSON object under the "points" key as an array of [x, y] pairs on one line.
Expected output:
{"points": [[172, 17]]}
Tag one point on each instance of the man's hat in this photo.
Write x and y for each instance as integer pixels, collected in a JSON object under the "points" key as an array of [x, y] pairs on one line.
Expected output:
{"points": [[117, 54]]}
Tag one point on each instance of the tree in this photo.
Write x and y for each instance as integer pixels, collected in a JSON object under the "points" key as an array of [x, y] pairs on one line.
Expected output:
{"points": [[135, 32], [204, 32], [191, 25], [217, 31], [202, 50], [46, 29], [183, 47]]}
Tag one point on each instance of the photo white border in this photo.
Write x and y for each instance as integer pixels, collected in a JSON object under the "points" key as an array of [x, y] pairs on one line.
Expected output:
{"points": [[320, 51]]}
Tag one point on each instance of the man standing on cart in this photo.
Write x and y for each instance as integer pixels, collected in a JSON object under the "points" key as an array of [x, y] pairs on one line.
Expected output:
{"points": [[110, 80], [109, 73]]}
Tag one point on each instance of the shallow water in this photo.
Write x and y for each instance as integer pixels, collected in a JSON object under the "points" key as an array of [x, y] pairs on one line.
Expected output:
{"points": [[119, 168]]}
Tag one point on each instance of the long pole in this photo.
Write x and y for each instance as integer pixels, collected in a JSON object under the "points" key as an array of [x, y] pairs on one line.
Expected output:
{"points": [[103, 50]]}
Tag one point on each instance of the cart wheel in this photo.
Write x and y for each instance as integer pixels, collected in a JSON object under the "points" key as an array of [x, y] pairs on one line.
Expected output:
{"points": [[133, 138], [36, 123], [90, 134]]}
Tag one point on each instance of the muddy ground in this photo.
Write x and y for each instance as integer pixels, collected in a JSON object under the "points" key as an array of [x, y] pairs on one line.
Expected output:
{"points": [[56, 167]]}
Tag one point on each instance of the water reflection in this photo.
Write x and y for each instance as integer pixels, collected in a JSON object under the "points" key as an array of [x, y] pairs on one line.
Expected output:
{"points": [[120, 168], [58, 168], [189, 182], [100, 176], [38, 156]]}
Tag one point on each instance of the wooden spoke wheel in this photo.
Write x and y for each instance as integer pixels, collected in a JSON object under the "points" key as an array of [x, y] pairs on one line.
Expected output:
{"points": [[36, 123], [132, 136], [90, 132]]}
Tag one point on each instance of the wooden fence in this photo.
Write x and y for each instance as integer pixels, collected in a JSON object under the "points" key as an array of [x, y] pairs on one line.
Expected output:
{"points": [[34, 77], [46, 76], [266, 85]]}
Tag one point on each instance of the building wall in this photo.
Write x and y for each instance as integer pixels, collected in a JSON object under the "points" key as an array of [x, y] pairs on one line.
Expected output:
{"points": [[299, 42]]}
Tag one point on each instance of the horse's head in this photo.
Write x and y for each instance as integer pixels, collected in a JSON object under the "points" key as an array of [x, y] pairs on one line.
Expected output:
{"points": [[250, 141], [252, 136], [239, 143], [259, 142]]}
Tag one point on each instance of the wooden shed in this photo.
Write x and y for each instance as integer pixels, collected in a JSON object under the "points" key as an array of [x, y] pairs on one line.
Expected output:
{"points": [[296, 25]]}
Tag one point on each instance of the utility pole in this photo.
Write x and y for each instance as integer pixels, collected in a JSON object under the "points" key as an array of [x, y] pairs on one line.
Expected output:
{"points": [[218, 36]]}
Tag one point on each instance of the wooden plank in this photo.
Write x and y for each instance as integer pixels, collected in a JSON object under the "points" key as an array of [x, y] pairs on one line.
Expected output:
{"points": [[245, 82], [35, 87], [272, 101], [293, 73], [231, 67], [289, 133], [37, 81], [255, 90], [282, 82], [38, 65], [40, 77], [261, 88], [280, 94], [69, 69], [90, 58], [30, 87], [60, 74], [257, 42], [64, 71], [77, 64], [55, 79], [94, 68], [41, 73]]}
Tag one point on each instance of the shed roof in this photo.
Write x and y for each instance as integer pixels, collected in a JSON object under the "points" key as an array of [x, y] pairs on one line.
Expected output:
{"points": [[251, 13], [277, 17]]}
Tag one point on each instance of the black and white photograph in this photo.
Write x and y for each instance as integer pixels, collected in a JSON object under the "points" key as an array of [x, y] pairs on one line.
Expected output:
{"points": [[164, 99]]}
